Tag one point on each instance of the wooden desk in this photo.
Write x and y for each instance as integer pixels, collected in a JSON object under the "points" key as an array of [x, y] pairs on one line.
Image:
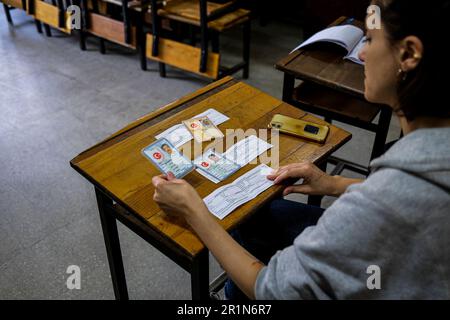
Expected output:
{"points": [[334, 88], [122, 176]]}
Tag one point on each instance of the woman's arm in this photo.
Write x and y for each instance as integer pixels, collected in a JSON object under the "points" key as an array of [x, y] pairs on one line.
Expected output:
{"points": [[239, 264], [177, 197]]}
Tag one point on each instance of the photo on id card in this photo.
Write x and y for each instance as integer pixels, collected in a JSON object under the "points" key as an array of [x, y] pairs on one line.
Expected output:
{"points": [[216, 165], [203, 129], [167, 158]]}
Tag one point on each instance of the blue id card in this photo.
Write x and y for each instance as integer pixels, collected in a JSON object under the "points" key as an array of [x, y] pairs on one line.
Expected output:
{"points": [[216, 165], [167, 158]]}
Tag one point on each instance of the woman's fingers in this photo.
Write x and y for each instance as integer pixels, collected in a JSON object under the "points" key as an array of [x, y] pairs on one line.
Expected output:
{"points": [[170, 176], [280, 171], [156, 180], [304, 189], [294, 172]]}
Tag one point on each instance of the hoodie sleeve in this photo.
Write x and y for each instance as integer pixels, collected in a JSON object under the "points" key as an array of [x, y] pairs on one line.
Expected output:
{"points": [[330, 260]]}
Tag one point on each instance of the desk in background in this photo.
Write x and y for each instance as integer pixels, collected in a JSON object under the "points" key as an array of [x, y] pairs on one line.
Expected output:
{"points": [[334, 88]]}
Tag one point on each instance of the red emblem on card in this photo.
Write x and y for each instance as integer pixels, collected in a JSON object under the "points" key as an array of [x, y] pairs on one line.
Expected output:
{"points": [[205, 164], [157, 155]]}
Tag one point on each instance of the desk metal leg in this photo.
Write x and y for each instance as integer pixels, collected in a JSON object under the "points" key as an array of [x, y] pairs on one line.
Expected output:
{"points": [[112, 244], [288, 87], [382, 131], [200, 276]]}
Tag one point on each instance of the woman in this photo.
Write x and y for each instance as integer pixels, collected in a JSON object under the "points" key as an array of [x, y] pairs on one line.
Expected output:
{"points": [[395, 224]]}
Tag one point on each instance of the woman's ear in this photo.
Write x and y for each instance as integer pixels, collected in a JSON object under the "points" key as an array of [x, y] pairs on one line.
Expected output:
{"points": [[411, 52]]}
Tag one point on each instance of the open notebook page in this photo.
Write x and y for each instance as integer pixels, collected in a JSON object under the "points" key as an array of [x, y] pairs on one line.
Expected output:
{"points": [[346, 36]]}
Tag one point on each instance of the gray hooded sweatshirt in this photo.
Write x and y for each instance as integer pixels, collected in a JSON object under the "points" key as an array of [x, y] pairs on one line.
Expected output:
{"points": [[394, 227]]}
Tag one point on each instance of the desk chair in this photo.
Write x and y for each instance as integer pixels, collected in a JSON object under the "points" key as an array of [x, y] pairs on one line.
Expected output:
{"points": [[117, 21], [50, 14], [212, 19]]}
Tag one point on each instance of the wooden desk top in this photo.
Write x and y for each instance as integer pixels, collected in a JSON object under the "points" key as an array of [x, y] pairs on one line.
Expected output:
{"points": [[117, 167], [326, 67]]}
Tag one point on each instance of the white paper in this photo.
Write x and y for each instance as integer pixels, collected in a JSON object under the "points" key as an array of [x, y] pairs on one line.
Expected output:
{"points": [[225, 199], [246, 150], [179, 135], [346, 36]]}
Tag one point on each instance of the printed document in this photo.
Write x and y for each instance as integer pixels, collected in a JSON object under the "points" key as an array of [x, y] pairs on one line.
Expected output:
{"points": [[227, 198]]}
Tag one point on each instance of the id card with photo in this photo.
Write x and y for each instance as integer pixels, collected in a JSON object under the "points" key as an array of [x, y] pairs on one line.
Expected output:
{"points": [[215, 165], [167, 158], [203, 129]]}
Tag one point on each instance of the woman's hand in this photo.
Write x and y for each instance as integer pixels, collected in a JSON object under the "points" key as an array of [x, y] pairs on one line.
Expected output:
{"points": [[177, 197], [315, 181]]}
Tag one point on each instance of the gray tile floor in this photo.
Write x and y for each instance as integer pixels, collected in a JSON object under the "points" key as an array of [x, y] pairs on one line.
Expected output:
{"points": [[57, 101]]}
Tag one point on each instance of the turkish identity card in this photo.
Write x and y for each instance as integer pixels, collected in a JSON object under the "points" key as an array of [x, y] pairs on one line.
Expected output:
{"points": [[167, 158], [203, 129], [216, 165]]}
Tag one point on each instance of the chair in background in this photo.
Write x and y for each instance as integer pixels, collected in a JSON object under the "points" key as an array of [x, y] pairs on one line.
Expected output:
{"points": [[211, 18], [50, 14], [117, 21]]}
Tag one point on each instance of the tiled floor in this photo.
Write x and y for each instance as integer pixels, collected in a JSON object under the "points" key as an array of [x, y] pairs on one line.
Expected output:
{"points": [[55, 102]]}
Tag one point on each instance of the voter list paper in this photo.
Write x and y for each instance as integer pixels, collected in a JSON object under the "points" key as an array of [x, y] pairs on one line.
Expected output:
{"points": [[241, 154], [179, 135], [227, 198]]}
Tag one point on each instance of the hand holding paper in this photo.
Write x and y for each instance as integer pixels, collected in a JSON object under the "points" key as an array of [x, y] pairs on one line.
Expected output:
{"points": [[177, 197]]}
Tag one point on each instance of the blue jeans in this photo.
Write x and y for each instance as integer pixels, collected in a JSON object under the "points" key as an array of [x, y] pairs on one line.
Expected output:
{"points": [[271, 229]]}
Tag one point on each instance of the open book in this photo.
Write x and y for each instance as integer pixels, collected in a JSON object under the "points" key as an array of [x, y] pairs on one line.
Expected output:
{"points": [[349, 37]]}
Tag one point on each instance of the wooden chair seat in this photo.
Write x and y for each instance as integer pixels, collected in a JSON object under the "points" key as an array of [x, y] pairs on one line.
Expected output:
{"points": [[188, 11]]}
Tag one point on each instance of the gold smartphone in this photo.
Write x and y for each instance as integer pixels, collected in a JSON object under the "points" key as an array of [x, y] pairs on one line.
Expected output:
{"points": [[300, 128]]}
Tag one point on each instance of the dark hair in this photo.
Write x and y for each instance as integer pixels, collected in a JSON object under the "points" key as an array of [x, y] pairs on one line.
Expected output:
{"points": [[424, 90]]}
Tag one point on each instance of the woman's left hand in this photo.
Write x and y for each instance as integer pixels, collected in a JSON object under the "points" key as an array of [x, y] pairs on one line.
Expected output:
{"points": [[177, 197]]}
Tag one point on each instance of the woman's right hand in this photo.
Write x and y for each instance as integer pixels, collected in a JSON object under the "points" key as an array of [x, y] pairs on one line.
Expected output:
{"points": [[315, 181]]}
